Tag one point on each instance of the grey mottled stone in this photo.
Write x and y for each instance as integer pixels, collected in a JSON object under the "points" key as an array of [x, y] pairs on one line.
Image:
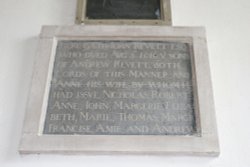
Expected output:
{"points": [[121, 88]]}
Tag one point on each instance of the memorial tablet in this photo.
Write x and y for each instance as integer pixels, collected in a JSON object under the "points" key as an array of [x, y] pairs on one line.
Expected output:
{"points": [[124, 90]]}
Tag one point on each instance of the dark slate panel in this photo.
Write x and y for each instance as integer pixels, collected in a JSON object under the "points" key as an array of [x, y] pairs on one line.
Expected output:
{"points": [[123, 9], [121, 88]]}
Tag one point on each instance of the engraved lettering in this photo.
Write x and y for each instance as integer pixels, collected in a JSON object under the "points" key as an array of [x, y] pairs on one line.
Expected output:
{"points": [[121, 88]]}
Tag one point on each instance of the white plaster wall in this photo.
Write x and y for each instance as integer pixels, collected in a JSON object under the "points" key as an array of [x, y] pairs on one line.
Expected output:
{"points": [[228, 32]]}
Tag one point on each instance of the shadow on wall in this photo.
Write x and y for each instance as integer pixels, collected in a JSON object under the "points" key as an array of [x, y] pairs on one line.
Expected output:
{"points": [[20, 85]]}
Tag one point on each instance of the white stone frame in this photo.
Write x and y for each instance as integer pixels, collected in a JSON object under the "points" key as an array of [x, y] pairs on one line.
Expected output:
{"points": [[206, 143]]}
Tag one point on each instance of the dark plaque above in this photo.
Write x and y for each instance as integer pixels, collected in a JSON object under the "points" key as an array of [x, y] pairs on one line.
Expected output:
{"points": [[128, 12], [121, 88], [123, 9]]}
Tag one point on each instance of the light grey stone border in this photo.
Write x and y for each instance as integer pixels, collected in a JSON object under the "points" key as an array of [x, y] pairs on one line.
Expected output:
{"points": [[33, 141]]}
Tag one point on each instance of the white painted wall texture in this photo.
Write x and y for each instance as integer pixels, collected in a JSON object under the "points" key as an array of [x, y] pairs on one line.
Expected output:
{"points": [[228, 32]]}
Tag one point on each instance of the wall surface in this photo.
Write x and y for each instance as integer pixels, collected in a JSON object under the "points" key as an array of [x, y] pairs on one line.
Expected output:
{"points": [[228, 32]]}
